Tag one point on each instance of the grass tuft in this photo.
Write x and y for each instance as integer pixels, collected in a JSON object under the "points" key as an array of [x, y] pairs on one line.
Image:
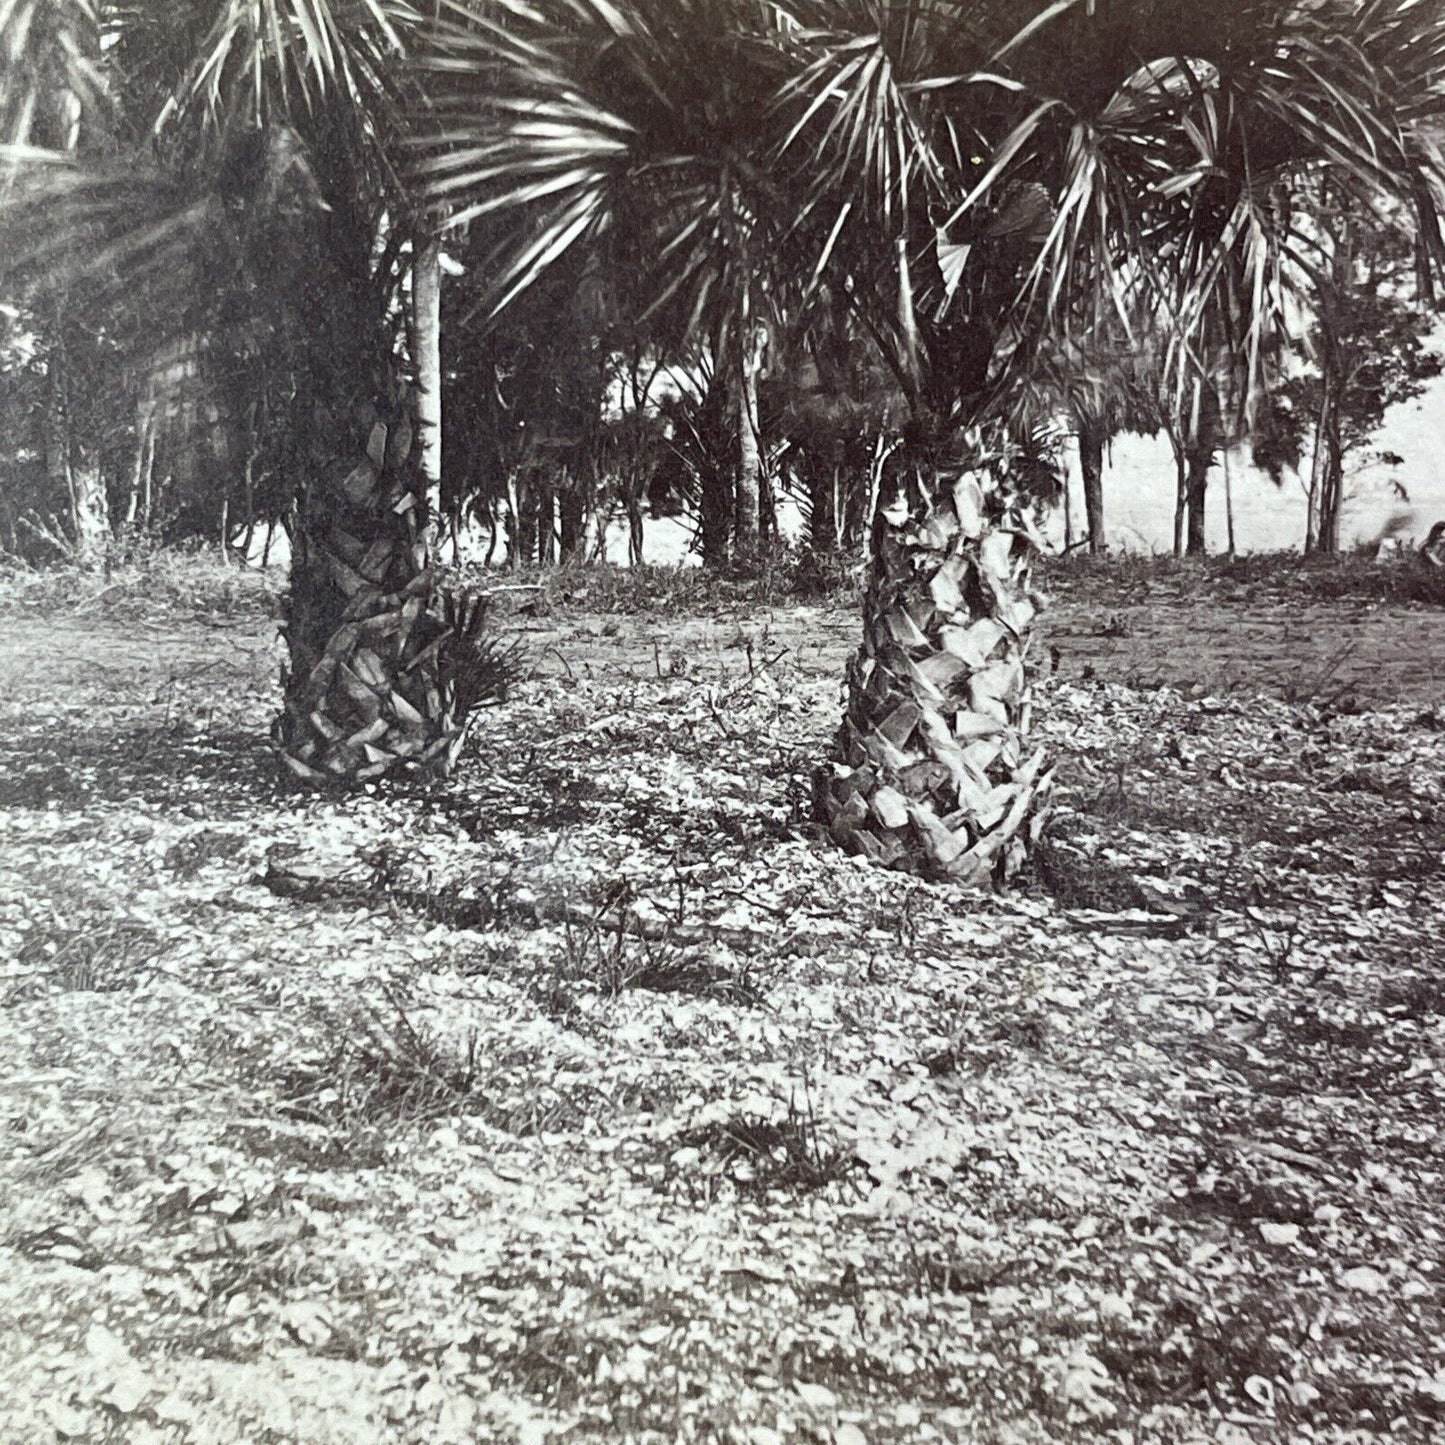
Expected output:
{"points": [[762, 1155], [100, 958], [377, 1069]]}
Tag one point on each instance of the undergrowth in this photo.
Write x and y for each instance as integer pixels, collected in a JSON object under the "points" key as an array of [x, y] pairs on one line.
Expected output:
{"points": [[163, 584], [1132, 578]]}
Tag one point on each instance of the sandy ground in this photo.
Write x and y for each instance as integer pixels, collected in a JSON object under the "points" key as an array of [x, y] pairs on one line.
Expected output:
{"points": [[589, 1097]]}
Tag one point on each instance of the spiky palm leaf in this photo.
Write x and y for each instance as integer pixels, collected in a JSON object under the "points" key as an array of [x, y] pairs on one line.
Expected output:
{"points": [[644, 120]]}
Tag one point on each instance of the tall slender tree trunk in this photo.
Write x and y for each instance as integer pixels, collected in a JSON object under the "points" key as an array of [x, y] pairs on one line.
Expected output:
{"points": [[1332, 488], [822, 505], [1181, 492], [1202, 443], [1333, 495], [932, 771], [90, 509], [137, 508], [571, 516], [750, 348], [74, 469], [1327, 469], [1315, 492], [426, 295], [1195, 492], [1091, 464], [492, 529], [715, 473], [1228, 502], [767, 510], [546, 522], [634, 529], [521, 522]]}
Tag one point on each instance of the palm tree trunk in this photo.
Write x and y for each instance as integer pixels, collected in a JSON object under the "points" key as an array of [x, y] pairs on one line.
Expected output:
{"points": [[932, 772], [715, 522], [74, 472], [1091, 464], [373, 681], [715, 472]]}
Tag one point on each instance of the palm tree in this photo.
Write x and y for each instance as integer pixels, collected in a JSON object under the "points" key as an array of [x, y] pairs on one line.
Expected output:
{"points": [[976, 178], [1035, 180], [256, 208], [1104, 384], [643, 123], [1042, 181]]}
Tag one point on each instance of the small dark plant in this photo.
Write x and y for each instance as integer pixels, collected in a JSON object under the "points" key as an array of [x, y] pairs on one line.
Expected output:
{"points": [[762, 1155]]}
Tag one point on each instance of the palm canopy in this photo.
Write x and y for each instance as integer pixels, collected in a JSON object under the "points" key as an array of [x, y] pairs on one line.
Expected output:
{"points": [[234, 135], [1164, 137], [647, 123], [972, 174], [173, 86]]}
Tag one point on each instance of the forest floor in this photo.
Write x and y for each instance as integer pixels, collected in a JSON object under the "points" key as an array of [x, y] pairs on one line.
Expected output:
{"points": [[588, 1097]]}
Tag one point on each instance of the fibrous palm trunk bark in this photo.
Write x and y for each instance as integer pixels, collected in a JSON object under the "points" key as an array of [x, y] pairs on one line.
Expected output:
{"points": [[379, 673], [932, 770]]}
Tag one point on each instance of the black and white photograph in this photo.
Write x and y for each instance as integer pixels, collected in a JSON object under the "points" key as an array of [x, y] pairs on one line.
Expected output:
{"points": [[724, 722]]}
